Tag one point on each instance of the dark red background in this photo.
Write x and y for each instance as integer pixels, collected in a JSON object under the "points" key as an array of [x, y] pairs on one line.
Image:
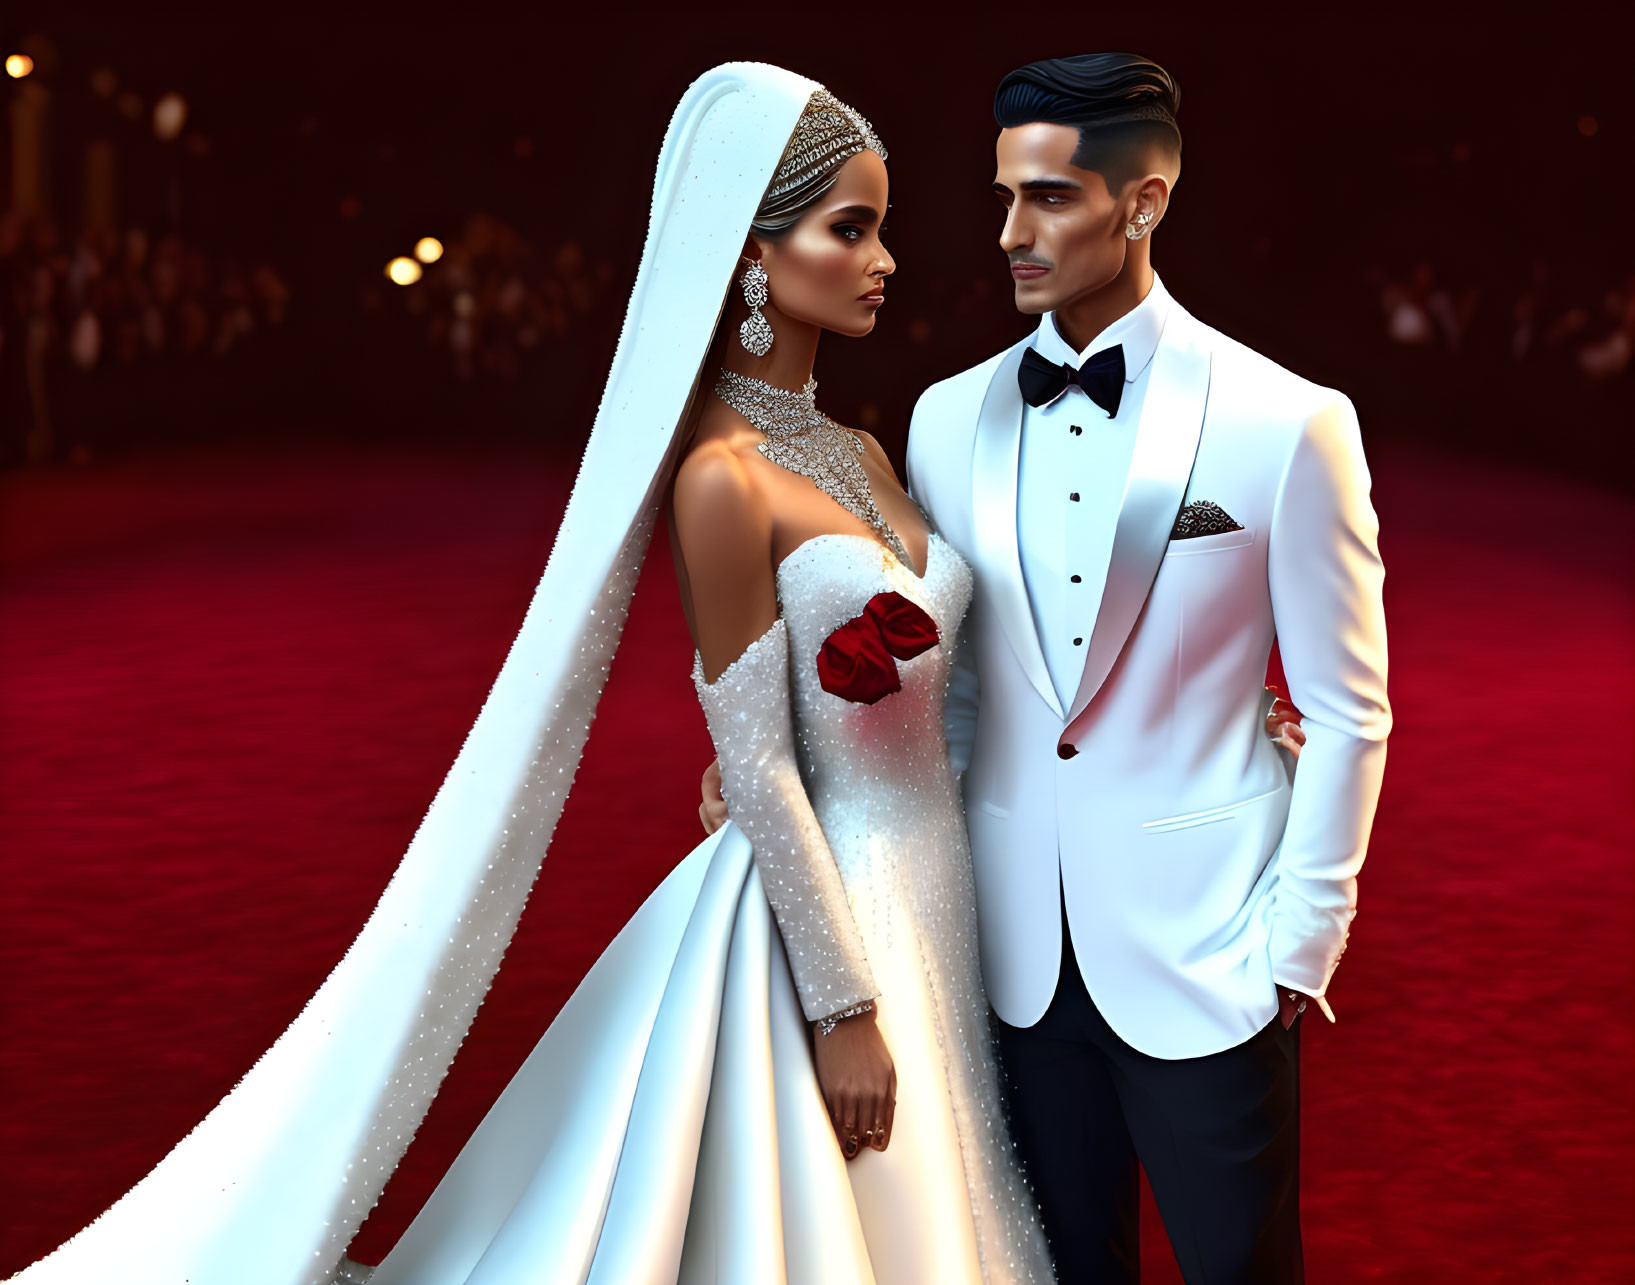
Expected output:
{"points": [[237, 654]]}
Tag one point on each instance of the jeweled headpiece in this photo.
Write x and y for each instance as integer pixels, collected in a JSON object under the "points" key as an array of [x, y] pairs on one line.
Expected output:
{"points": [[829, 134]]}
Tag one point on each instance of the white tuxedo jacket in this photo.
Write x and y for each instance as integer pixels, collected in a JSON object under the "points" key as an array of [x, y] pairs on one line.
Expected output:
{"points": [[1196, 878]]}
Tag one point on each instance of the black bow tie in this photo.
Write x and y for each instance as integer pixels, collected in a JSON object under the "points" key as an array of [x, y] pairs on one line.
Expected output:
{"points": [[1101, 378]]}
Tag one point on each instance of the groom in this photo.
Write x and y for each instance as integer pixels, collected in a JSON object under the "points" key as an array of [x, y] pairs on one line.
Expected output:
{"points": [[1148, 505]]}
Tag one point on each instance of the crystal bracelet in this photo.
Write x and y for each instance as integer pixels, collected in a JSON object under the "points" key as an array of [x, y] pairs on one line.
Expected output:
{"points": [[827, 1025]]}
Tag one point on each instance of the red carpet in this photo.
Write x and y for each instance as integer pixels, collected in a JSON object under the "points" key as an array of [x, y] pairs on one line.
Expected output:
{"points": [[230, 682]]}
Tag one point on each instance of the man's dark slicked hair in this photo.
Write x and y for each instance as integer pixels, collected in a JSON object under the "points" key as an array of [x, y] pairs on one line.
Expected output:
{"points": [[1123, 106]]}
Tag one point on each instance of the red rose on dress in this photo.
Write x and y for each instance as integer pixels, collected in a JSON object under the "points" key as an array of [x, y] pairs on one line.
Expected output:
{"points": [[856, 662], [904, 628], [855, 665]]}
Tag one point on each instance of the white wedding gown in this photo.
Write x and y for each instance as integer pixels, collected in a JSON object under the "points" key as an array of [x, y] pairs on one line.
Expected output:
{"points": [[669, 1125]]}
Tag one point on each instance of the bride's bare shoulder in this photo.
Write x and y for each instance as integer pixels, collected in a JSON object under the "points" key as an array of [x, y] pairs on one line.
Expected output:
{"points": [[716, 496], [723, 535]]}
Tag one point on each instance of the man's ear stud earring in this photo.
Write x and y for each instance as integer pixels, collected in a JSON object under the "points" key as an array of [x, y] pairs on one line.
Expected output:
{"points": [[1135, 231]]}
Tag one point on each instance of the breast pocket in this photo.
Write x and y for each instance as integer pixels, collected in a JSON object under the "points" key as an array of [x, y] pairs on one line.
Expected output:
{"points": [[1211, 543]]}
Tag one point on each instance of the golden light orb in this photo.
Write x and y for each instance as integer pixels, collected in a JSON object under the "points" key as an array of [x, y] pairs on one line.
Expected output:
{"points": [[169, 115], [403, 270], [428, 249], [18, 65]]}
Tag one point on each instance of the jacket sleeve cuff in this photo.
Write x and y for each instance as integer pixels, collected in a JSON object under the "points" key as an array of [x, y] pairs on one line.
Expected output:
{"points": [[1321, 1001], [1306, 962]]}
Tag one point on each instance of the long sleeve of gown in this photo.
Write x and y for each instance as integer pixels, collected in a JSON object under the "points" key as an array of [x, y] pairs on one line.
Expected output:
{"points": [[748, 709]]}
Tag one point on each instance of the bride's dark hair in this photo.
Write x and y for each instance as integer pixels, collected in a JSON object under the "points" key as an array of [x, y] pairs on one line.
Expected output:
{"points": [[782, 206], [776, 217]]}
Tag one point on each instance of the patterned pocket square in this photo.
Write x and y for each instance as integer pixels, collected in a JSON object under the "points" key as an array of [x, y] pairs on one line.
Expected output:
{"points": [[1203, 517]]}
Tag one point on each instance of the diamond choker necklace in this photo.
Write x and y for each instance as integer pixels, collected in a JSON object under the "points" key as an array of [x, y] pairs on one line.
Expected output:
{"points": [[802, 439]]}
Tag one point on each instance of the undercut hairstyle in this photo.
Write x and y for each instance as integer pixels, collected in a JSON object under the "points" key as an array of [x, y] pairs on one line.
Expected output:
{"points": [[1123, 106]]}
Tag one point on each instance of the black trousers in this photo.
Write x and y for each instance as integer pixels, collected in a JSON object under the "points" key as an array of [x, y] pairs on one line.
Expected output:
{"points": [[1219, 1137]]}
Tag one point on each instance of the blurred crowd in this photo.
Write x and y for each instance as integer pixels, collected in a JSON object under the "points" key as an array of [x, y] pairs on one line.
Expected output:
{"points": [[107, 341], [1455, 303], [1532, 360], [495, 306], [1590, 331], [90, 324]]}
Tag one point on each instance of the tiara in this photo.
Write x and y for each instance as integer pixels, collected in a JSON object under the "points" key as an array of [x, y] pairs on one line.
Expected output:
{"points": [[828, 134]]}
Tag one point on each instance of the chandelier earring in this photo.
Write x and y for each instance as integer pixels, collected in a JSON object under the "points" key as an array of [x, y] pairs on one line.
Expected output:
{"points": [[756, 332], [1140, 227]]}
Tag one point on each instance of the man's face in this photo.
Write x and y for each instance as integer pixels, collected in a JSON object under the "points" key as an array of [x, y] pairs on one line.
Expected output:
{"points": [[1064, 232]]}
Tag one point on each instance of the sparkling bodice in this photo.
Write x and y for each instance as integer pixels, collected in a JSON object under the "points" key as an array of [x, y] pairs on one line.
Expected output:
{"points": [[878, 775], [884, 792], [875, 779]]}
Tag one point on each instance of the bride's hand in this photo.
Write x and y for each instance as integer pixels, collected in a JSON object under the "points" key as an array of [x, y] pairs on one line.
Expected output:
{"points": [[1282, 725], [713, 810], [859, 1083]]}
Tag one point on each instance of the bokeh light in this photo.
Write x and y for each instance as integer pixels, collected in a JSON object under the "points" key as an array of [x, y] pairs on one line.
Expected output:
{"points": [[1588, 125], [403, 270], [169, 115], [428, 249], [18, 65]]}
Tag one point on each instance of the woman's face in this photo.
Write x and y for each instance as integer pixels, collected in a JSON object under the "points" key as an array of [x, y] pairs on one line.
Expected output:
{"points": [[830, 268]]}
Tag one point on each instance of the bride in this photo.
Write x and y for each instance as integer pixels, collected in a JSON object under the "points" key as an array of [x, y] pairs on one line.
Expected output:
{"points": [[781, 1069]]}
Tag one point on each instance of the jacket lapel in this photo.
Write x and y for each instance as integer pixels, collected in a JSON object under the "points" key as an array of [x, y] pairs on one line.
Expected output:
{"points": [[995, 457], [1166, 444]]}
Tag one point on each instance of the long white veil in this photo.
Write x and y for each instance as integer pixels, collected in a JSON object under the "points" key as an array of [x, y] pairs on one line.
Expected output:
{"points": [[275, 1181]]}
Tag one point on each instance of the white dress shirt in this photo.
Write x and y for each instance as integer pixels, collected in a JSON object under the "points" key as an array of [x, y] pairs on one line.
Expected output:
{"points": [[1070, 486]]}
